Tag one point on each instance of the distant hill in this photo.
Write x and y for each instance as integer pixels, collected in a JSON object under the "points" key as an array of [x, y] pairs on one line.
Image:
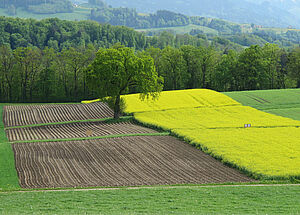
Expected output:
{"points": [[261, 12], [37, 6]]}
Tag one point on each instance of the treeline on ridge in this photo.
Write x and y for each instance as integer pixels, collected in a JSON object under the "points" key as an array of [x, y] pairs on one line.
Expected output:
{"points": [[47, 61], [244, 35], [30, 74], [60, 34], [162, 18]]}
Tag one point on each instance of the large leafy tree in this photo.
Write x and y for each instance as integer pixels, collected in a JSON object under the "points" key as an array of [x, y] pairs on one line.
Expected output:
{"points": [[117, 69]]}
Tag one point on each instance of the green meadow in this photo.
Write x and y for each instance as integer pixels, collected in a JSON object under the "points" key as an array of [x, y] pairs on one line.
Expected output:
{"points": [[284, 103], [178, 200]]}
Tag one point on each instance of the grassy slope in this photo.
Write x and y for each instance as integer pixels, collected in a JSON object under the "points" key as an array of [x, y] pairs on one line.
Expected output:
{"points": [[78, 14], [280, 102], [8, 174], [180, 200]]}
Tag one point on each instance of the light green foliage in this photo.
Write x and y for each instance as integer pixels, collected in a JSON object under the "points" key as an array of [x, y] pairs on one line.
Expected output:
{"points": [[116, 70], [160, 200]]}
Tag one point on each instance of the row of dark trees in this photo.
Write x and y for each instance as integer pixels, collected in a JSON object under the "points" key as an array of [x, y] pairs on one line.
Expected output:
{"points": [[162, 18], [255, 68], [60, 34], [30, 74]]}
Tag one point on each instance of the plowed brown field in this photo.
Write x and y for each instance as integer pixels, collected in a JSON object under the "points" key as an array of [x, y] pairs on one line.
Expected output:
{"points": [[37, 114], [74, 130], [125, 161]]}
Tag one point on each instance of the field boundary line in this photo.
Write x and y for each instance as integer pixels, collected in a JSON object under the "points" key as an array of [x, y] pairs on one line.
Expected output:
{"points": [[95, 138], [152, 187], [69, 122]]}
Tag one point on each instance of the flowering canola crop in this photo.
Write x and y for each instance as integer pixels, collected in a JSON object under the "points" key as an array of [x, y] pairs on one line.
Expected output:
{"points": [[215, 122], [178, 99]]}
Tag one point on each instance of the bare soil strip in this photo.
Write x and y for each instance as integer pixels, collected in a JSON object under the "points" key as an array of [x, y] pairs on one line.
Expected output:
{"points": [[37, 114], [74, 130], [125, 161]]}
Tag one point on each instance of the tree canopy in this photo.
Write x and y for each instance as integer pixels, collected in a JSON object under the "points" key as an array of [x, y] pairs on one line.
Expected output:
{"points": [[114, 71]]}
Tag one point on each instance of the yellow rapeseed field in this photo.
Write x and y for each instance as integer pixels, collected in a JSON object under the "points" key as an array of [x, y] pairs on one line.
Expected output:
{"points": [[263, 151], [215, 122], [219, 117], [90, 101], [178, 99]]}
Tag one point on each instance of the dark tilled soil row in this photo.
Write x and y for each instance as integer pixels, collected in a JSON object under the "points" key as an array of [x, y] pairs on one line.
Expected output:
{"points": [[37, 114], [125, 161], [74, 130]]}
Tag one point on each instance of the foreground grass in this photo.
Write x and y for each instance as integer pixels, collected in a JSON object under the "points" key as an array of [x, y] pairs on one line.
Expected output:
{"points": [[280, 102], [8, 174], [179, 200]]}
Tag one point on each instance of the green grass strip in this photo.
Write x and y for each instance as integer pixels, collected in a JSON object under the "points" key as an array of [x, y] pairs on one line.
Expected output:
{"points": [[94, 138], [108, 120], [8, 174], [182, 200]]}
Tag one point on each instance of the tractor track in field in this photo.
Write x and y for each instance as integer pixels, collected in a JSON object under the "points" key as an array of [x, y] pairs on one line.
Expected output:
{"points": [[74, 130], [124, 161], [50, 113]]}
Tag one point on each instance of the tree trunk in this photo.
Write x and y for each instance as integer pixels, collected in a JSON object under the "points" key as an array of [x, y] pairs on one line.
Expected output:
{"points": [[75, 85], [117, 107], [204, 76]]}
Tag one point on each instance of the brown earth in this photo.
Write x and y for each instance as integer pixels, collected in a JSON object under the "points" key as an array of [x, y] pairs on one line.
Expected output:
{"points": [[126, 161], [37, 114], [74, 130]]}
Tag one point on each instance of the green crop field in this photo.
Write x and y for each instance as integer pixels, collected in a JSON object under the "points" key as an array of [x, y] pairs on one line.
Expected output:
{"points": [[280, 102], [8, 174], [157, 200], [78, 14]]}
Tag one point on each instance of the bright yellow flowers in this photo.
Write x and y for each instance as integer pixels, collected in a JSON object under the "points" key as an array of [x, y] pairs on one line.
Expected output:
{"points": [[271, 147]]}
